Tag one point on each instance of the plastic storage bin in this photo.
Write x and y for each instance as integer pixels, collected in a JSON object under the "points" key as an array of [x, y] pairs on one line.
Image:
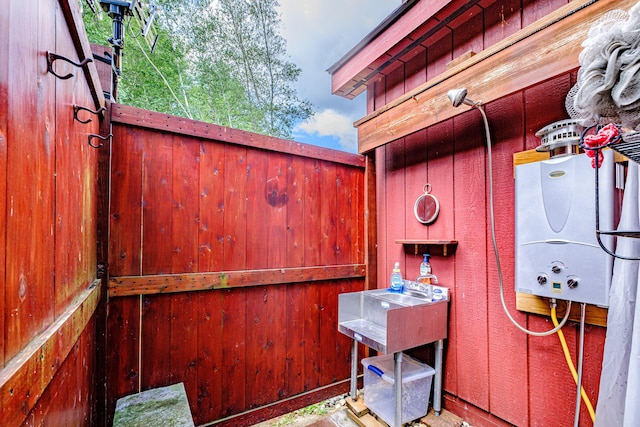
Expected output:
{"points": [[378, 387]]}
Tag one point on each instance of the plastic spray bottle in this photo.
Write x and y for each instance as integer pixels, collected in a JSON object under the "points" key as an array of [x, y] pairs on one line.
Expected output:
{"points": [[397, 283]]}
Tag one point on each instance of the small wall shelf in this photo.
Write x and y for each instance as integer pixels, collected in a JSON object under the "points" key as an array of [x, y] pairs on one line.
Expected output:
{"points": [[431, 247]]}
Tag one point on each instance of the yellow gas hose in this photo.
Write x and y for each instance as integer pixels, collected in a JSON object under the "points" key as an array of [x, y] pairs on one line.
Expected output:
{"points": [[567, 356]]}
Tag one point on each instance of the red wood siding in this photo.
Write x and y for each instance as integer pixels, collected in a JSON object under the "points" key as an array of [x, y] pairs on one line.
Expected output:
{"points": [[495, 375], [185, 202], [48, 218]]}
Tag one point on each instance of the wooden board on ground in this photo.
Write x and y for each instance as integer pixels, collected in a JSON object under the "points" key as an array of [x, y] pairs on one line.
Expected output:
{"points": [[445, 419], [367, 420], [357, 407]]}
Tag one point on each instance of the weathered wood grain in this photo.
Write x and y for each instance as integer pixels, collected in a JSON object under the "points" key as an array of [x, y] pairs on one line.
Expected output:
{"points": [[24, 379], [167, 283], [124, 114], [547, 48]]}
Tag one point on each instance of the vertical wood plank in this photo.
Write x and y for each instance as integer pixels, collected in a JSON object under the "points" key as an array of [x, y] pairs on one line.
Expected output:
{"points": [[273, 350], [506, 376], [31, 167], [212, 193], [4, 132], [312, 315], [234, 327], [394, 225], [439, 54], [312, 211], [123, 344], [155, 345], [295, 211], [346, 223], [416, 70], [501, 19], [471, 260], [157, 257], [183, 345], [185, 205], [441, 175], [235, 208], [370, 223], [594, 353], [547, 366], [415, 178], [258, 226], [277, 197], [295, 293], [210, 361], [468, 35], [125, 241], [157, 198], [328, 332], [296, 339], [184, 307], [265, 349], [533, 10], [328, 219]]}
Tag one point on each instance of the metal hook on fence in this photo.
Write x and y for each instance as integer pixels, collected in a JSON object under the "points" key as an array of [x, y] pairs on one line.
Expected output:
{"points": [[52, 57], [77, 108], [104, 138]]}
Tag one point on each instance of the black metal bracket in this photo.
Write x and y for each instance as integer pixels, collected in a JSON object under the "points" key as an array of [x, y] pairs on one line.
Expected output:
{"points": [[52, 57], [93, 136], [77, 108]]}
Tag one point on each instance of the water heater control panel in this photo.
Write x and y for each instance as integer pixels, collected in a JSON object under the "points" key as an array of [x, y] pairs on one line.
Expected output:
{"points": [[557, 252]]}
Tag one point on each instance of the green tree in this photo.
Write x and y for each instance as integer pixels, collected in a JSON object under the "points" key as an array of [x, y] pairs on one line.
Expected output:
{"points": [[222, 62]]}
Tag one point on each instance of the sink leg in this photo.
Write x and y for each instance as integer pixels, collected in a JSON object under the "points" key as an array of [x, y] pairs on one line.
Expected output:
{"points": [[354, 370], [437, 385], [397, 388]]}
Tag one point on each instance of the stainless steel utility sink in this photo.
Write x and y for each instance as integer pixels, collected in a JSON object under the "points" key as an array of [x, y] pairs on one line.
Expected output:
{"points": [[391, 322]]}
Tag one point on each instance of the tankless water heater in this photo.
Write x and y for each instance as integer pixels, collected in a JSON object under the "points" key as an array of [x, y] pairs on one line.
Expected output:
{"points": [[557, 252]]}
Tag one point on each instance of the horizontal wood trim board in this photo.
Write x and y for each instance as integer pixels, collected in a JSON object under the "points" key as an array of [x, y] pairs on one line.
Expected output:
{"points": [[127, 115], [27, 375], [540, 305], [168, 283], [545, 49]]}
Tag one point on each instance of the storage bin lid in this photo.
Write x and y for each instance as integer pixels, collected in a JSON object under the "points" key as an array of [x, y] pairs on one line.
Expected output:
{"points": [[412, 369]]}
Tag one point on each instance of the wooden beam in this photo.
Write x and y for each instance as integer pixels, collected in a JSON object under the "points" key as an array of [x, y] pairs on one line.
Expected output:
{"points": [[370, 223], [540, 305], [545, 49], [27, 375], [73, 18], [349, 79], [168, 283], [125, 114]]}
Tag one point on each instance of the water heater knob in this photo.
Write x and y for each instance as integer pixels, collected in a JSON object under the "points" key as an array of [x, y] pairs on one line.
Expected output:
{"points": [[556, 269], [572, 283], [542, 279]]}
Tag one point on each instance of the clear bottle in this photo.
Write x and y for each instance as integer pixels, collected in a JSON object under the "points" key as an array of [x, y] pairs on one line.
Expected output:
{"points": [[425, 266], [397, 283], [426, 280]]}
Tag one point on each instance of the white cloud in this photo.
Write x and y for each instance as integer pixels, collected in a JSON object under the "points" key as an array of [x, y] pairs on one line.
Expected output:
{"points": [[330, 123], [318, 34]]}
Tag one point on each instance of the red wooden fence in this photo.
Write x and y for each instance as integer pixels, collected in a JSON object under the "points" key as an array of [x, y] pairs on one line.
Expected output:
{"points": [[227, 252], [48, 218]]}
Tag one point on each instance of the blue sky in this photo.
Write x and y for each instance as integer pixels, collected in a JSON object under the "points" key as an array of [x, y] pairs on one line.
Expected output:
{"points": [[318, 34]]}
